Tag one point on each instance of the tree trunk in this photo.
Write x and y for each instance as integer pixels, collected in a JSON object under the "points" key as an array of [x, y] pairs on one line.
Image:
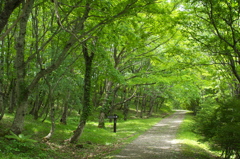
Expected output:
{"points": [[152, 102], [125, 104], [39, 98], [105, 103], [63, 119], [101, 123], [125, 111], [143, 105], [21, 87], [8, 9], [2, 106], [12, 97], [52, 114], [86, 94], [138, 103], [113, 106], [52, 109], [37, 106], [45, 110]]}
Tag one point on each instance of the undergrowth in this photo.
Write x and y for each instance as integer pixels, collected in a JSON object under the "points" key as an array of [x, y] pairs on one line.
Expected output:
{"points": [[191, 144], [94, 143]]}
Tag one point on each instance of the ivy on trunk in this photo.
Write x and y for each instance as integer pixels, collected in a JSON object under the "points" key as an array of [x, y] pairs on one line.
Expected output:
{"points": [[86, 93]]}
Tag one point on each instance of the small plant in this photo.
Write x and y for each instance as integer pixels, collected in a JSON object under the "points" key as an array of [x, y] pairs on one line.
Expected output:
{"points": [[20, 137]]}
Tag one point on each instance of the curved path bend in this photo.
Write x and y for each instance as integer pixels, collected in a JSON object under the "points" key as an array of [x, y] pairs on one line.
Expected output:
{"points": [[158, 142]]}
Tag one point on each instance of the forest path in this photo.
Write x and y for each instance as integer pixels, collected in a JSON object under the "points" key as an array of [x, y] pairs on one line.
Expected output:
{"points": [[158, 142]]}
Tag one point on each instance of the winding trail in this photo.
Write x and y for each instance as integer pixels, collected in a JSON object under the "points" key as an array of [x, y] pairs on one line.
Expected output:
{"points": [[158, 142]]}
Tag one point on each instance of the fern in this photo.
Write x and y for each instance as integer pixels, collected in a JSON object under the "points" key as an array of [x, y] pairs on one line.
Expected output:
{"points": [[20, 137]]}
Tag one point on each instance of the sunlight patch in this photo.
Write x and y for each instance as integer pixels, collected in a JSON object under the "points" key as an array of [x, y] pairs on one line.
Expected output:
{"points": [[177, 121], [194, 143], [108, 143], [175, 141]]}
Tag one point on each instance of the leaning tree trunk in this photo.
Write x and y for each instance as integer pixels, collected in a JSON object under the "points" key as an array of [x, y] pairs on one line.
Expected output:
{"points": [[52, 110], [21, 86], [86, 96], [52, 115]]}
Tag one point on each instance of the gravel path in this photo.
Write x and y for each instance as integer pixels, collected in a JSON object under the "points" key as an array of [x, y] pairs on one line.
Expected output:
{"points": [[158, 142]]}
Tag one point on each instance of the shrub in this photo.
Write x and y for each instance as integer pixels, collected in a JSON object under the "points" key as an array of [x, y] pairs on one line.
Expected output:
{"points": [[220, 125]]}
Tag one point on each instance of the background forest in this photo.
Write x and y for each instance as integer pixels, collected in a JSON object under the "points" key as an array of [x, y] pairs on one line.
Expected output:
{"points": [[88, 59]]}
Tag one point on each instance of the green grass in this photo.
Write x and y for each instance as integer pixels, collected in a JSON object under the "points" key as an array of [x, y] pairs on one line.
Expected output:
{"points": [[190, 144], [96, 142]]}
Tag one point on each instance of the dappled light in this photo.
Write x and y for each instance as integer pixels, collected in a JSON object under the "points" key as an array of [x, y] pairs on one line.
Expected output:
{"points": [[174, 141], [161, 125], [158, 142], [178, 121], [82, 78]]}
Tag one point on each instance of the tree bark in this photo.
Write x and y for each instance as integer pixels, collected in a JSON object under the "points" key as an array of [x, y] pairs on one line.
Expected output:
{"points": [[112, 104], [37, 104], [8, 9], [2, 107], [63, 119], [87, 94], [52, 112], [125, 105], [151, 106], [21, 89], [12, 96], [101, 123], [143, 105], [105, 107]]}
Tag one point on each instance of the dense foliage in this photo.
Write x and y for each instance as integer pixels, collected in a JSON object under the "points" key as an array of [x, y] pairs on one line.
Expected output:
{"points": [[219, 124], [96, 58]]}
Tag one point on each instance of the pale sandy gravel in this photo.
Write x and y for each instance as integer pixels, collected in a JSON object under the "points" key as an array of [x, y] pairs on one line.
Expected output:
{"points": [[158, 142]]}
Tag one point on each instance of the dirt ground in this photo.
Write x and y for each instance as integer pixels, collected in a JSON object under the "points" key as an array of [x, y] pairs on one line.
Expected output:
{"points": [[158, 142]]}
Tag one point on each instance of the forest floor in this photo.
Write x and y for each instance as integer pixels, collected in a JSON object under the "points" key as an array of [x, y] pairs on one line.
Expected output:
{"points": [[171, 138], [159, 142]]}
